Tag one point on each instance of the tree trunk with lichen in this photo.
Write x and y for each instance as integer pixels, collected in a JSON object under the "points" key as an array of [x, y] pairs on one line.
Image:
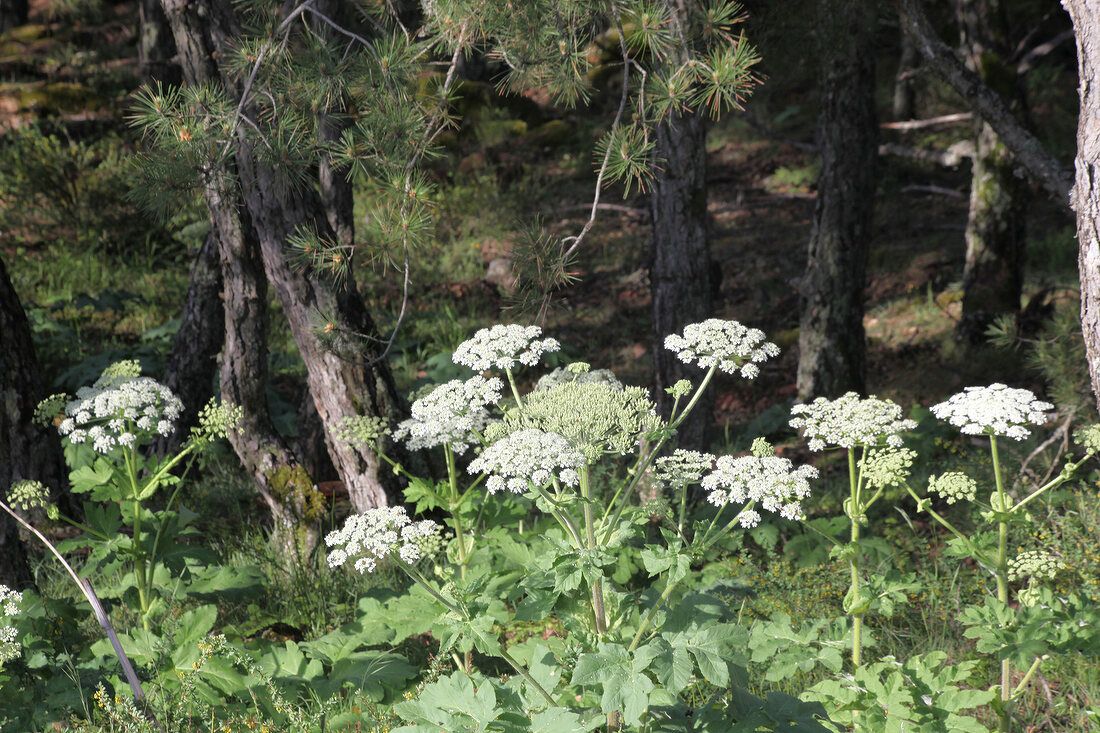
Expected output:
{"points": [[1086, 193], [345, 375], [995, 230], [832, 349]]}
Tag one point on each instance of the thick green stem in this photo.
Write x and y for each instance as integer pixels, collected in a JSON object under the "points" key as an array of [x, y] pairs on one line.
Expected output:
{"points": [[140, 561], [853, 559], [1002, 583], [649, 616], [515, 390], [453, 508], [590, 541], [563, 518]]}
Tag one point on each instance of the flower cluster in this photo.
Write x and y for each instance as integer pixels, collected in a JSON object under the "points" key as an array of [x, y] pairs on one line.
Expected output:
{"points": [[578, 373], [1088, 438], [450, 414], [884, 467], [361, 430], [528, 457], [850, 421], [27, 494], [9, 606], [217, 420], [1035, 564], [118, 409], [373, 536], [596, 418], [772, 482], [994, 410], [728, 345], [953, 486], [682, 468], [501, 347]]}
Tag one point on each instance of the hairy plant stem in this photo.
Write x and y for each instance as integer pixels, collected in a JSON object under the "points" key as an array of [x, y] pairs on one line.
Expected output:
{"points": [[515, 390], [467, 663], [598, 609], [855, 512], [139, 553], [418, 578], [1005, 713]]}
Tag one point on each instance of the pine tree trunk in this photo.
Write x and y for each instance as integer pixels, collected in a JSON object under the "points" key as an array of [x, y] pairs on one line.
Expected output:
{"points": [[680, 274], [995, 230], [903, 104], [832, 348], [27, 451], [346, 381], [156, 48], [1086, 193], [285, 487], [193, 363]]}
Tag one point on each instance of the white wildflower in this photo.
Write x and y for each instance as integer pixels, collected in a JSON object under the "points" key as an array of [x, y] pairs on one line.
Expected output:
{"points": [[514, 461], [850, 421], [107, 413], [682, 468], [994, 410], [749, 518], [450, 414], [1035, 564], [731, 347], [9, 606], [501, 347], [772, 482], [376, 534]]}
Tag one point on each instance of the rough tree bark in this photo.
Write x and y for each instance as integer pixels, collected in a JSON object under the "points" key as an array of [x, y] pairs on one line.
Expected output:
{"points": [[832, 348], [904, 101], [27, 451], [681, 266], [1086, 194], [345, 381], [1043, 167], [995, 229], [277, 475], [156, 48], [193, 362]]}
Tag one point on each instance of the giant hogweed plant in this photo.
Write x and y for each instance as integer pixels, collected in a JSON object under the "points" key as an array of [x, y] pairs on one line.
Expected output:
{"points": [[924, 692], [657, 659]]}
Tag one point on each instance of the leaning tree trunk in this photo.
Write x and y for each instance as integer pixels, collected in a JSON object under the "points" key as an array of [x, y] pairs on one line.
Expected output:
{"points": [[832, 348], [1086, 193], [346, 381], [193, 363], [285, 486], [995, 229], [27, 450]]}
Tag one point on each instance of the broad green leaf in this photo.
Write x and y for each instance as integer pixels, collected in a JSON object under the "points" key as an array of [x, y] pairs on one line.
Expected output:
{"points": [[452, 704], [625, 686]]}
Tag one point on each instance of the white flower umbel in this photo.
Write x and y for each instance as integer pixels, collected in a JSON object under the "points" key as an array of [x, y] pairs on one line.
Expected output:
{"points": [[953, 486], [368, 539], [575, 374], [117, 409], [731, 347], [994, 410], [528, 457], [450, 414], [850, 421], [9, 606], [502, 347], [682, 468], [772, 482]]}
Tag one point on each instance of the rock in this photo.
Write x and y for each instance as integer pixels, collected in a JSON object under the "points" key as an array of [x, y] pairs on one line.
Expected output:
{"points": [[500, 273]]}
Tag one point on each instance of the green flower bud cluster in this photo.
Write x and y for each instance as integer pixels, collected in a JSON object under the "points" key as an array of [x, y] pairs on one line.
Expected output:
{"points": [[50, 409], [1035, 564], [119, 371], [1088, 438], [953, 486], [28, 494], [883, 467], [595, 418], [217, 419], [361, 430]]}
